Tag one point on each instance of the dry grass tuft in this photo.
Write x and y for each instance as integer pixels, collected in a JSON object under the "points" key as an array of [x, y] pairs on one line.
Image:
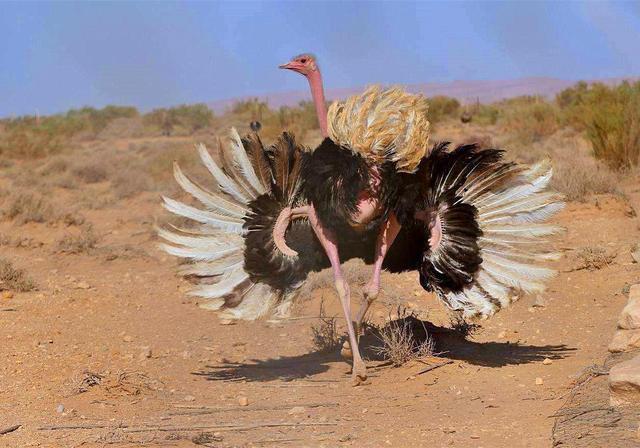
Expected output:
{"points": [[29, 207], [91, 172], [128, 382], [84, 242], [325, 333], [463, 327], [593, 258], [400, 344], [14, 279], [83, 382], [130, 182]]}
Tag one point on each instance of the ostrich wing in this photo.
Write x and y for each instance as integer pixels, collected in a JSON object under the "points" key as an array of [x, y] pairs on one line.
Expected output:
{"points": [[239, 269], [484, 221]]}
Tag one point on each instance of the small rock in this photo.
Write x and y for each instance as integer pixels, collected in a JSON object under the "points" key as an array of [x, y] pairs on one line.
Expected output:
{"points": [[475, 436], [539, 381], [502, 335], [625, 340], [7, 294], [243, 401], [60, 409], [82, 285], [296, 410], [546, 361], [189, 398], [635, 253], [624, 382], [127, 338], [146, 352]]}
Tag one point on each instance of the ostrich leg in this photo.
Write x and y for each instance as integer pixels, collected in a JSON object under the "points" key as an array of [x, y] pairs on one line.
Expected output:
{"points": [[329, 243], [388, 233]]}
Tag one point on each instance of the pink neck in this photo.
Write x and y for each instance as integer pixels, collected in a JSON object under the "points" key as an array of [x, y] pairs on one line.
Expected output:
{"points": [[317, 92]]}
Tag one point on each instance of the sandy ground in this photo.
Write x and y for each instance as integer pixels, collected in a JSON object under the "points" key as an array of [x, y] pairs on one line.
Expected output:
{"points": [[158, 371]]}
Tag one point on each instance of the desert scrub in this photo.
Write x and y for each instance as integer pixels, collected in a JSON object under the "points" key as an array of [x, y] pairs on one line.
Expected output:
{"points": [[610, 117], [29, 207], [83, 242], [14, 279], [530, 119], [325, 332], [404, 339], [442, 107], [593, 258]]}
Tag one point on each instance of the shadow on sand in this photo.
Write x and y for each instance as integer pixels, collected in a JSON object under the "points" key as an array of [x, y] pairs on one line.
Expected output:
{"points": [[448, 342]]}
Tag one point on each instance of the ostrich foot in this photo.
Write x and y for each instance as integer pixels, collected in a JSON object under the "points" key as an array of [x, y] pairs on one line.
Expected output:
{"points": [[358, 373]]}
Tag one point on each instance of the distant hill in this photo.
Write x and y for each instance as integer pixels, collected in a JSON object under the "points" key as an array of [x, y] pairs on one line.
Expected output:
{"points": [[463, 91]]}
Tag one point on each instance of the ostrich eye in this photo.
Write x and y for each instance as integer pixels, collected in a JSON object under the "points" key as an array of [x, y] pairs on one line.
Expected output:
{"points": [[303, 60]]}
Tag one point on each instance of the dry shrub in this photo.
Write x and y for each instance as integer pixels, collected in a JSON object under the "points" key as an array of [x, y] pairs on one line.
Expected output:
{"points": [[325, 333], [610, 115], [530, 119], [123, 127], [442, 107], [615, 133], [127, 382], [593, 258], [84, 242], [14, 279], [579, 177], [84, 381], [58, 165], [29, 207], [65, 181], [400, 344], [463, 327], [130, 182], [91, 172], [160, 164]]}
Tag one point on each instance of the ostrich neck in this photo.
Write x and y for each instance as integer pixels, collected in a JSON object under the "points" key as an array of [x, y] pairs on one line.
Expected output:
{"points": [[317, 92]]}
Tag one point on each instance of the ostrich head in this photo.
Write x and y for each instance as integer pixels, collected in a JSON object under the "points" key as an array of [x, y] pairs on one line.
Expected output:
{"points": [[305, 64]]}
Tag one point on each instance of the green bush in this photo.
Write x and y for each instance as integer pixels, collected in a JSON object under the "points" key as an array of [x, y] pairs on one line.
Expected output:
{"points": [[441, 107], [610, 116], [530, 118], [33, 137], [184, 118]]}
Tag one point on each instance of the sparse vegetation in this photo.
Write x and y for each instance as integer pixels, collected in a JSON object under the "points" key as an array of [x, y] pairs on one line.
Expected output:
{"points": [[14, 279], [83, 242], [28, 207], [325, 333], [441, 107], [593, 258], [400, 344], [610, 116]]}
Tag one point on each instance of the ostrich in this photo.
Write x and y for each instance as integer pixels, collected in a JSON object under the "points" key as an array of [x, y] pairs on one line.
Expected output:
{"points": [[471, 224]]}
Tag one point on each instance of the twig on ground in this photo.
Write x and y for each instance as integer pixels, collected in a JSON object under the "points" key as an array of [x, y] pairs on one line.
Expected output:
{"points": [[221, 427], [433, 367], [9, 429], [191, 409]]}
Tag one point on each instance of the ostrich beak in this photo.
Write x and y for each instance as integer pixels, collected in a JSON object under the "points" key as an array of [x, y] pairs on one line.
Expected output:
{"points": [[288, 66]]}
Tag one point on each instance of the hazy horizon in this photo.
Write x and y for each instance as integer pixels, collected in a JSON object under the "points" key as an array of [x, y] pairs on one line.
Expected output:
{"points": [[61, 55]]}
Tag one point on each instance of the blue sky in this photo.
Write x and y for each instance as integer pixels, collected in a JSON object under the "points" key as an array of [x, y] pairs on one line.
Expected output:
{"points": [[58, 55]]}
